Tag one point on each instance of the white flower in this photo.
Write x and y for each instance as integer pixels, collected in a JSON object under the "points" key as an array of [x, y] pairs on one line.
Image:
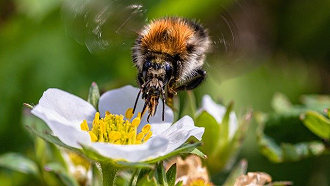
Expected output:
{"points": [[64, 114], [218, 111]]}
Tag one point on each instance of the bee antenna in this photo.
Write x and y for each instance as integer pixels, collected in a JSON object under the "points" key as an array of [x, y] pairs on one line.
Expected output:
{"points": [[137, 98]]}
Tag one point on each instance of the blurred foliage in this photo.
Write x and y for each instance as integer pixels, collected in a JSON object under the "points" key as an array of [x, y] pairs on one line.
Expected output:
{"points": [[282, 135], [290, 54]]}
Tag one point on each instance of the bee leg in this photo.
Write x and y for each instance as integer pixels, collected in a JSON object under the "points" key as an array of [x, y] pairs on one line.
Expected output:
{"points": [[194, 81], [170, 94]]}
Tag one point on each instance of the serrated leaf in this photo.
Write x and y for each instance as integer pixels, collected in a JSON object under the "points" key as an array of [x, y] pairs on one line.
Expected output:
{"points": [[212, 131], [171, 175], [94, 95], [18, 163], [238, 170], [317, 123], [60, 171]]}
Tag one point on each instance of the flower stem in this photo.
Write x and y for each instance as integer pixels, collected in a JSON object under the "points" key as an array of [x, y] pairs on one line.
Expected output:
{"points": [[109, 173]]}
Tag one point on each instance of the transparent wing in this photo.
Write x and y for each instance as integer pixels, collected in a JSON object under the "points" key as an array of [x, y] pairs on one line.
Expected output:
{"points": [[100, 24]]}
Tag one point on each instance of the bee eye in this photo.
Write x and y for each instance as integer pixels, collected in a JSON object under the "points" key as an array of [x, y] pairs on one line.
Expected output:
{"points": [[168, 70], [146, 65]]}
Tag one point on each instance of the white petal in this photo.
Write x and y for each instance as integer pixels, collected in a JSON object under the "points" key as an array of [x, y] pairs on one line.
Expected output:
{"points": [[68, 134], [218, 111], [133, 153], [64, 108], [117, 101], [179, 133]]}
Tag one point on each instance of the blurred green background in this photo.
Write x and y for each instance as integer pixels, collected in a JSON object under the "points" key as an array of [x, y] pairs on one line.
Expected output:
{"points": [[262, 47]]}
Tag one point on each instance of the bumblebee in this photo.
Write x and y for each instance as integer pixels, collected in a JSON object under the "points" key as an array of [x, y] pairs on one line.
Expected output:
{"points": [[169, 54]]}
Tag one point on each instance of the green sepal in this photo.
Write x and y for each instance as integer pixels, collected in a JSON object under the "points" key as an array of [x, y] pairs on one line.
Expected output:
{"points": [[60, 172], [317, 123], [171, 175], [146, 178], [18, 162], [180, 183], [211, 134], [94, 95], [224, 126], [186, 148], [227, 152], [95, 156], [160, 174]]}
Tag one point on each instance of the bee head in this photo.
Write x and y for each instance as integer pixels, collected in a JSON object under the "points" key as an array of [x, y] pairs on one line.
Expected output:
{"points": [[153, 79]]}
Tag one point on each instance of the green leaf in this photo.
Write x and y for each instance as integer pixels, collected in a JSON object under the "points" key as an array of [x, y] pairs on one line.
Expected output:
{"points": [[317, 123], [171, 175], [211, 134], [94, 95], [237, 171], [18, 163], [60, 171]]}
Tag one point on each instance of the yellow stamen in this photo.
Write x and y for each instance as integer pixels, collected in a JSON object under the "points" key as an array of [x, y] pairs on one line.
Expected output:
{"points": [[146, 128], [116, 129], [129, 113], [136, 122], [147, 137], [114, 135], [93, 136], [84, 126]]}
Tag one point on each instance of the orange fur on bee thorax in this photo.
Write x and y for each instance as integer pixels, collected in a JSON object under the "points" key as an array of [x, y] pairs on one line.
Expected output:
{"points": [[167, 36]]}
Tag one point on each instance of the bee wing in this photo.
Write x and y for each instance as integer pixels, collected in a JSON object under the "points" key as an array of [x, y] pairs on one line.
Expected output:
{"points": [[232, 42], [100, 24]]}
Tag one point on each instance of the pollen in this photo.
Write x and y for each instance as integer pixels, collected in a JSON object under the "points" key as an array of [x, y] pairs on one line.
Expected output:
{"points": [[117, 129]]}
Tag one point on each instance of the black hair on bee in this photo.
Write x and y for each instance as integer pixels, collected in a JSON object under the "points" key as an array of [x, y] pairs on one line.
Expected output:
{"points": [[169, 54]]}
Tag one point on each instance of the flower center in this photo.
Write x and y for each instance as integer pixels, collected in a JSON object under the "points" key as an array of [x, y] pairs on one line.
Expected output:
{"points": [[115, 129]]}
